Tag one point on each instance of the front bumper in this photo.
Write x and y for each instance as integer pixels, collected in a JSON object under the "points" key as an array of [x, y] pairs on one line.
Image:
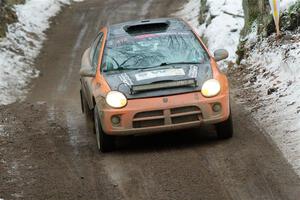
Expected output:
{"points": [[146, 116]]}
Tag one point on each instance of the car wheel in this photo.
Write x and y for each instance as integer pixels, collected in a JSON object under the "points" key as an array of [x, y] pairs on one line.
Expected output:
{"points": [[225, 129], [85, 107], [105, 143]]}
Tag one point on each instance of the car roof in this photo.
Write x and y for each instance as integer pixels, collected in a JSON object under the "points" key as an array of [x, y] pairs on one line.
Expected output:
{"points": [[173, 24]]}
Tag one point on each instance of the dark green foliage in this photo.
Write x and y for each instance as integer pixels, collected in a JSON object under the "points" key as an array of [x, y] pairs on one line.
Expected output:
{"points": [[259, 11], [255, 11], [7, 14], [289, 20], [240, 51], [203, 11]]}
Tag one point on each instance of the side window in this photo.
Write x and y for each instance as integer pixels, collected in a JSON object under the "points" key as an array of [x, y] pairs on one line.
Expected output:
{"points": [[96, 50], [93, 46]]}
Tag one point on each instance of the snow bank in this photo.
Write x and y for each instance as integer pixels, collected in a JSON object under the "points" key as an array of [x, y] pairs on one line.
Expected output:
{"points": [[22, 45], [272, 72], [223, 24], [270, 87]]}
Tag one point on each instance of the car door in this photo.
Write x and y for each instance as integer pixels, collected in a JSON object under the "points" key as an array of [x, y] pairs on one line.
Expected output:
{"points": [[94, 57]]}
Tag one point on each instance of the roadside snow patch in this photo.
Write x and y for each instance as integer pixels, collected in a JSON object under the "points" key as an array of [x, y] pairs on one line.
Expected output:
{"points": [[223, 24], [270, 86], [22, 45]]}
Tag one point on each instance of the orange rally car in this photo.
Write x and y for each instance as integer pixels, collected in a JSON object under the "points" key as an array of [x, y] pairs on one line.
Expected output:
{"points": [[148, 76]]}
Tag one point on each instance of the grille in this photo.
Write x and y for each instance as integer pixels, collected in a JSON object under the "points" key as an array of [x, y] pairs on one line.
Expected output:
{"points": [[148, 123], [167, 117], [185, 114], [149, 114], [184, 109], [149, 119]]}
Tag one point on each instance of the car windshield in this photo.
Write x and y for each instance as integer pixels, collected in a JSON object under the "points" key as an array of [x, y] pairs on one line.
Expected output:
{"points": [[152, 50]]}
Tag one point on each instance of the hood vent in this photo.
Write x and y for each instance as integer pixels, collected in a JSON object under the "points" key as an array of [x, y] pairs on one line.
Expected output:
{"points": [[163, 85], [147, 27]]}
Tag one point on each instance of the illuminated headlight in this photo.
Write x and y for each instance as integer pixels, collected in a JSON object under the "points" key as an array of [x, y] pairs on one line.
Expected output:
{"points": [[211, 88], [116, 99]]}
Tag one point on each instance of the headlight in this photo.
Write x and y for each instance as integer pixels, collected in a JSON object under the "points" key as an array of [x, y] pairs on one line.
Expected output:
{"points": [[211, 88], [116, 99]]}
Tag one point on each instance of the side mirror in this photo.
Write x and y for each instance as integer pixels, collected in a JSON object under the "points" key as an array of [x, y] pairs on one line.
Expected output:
{"points": [[87, 72], [221, 54]]}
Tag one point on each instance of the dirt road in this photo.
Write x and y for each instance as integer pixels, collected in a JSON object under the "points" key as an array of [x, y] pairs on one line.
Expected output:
{"points": [[48, 150]]}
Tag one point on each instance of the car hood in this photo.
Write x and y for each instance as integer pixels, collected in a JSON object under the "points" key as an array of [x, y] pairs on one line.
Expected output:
{"points": [[125, 81]]}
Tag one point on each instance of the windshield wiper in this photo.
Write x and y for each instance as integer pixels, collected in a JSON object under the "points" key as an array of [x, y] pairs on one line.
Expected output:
{"points": [[178, 63], [169, 63], [119, 69]]}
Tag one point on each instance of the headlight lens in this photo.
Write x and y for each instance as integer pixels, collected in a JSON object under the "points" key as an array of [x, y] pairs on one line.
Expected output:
{"points": [[116, 99], [211, 88]]}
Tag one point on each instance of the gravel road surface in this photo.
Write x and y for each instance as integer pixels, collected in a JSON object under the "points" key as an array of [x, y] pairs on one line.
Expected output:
{"points": [[48, 149]]}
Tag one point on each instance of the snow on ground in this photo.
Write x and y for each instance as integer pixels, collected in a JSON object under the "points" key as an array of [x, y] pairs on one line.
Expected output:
{"points": [[22, 45], [272, 72], [223, 23], [269, 78], [271, 87]]}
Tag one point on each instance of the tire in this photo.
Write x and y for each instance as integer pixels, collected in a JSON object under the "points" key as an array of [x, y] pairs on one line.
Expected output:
{"points": [[81, 101], [85, 107], [225, 129], [105, 143]]}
